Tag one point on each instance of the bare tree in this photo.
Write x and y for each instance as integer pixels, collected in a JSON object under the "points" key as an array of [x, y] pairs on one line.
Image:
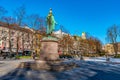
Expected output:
{"points": [[20, 14], [3, 32], [43, 25], [66, 43], [98, 45], [2, 12], [18, 36], [38, 23], [9, 21], [17, 45], [33, 21], [63, 29], [112, 35]]}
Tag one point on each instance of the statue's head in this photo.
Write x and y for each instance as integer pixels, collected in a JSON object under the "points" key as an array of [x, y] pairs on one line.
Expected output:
{"points": [[50, 10]]}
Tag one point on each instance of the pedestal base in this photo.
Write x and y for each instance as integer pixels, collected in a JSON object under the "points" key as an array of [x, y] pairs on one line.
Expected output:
{"points": [[49, 50]]}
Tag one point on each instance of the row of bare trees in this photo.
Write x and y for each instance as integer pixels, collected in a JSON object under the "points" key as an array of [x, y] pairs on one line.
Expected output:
{"points": [[21, 19], [113, 36], [76, 43]]}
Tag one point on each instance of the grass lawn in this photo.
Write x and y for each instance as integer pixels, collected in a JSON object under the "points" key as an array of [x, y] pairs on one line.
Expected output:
{"points": [[23, 57]]}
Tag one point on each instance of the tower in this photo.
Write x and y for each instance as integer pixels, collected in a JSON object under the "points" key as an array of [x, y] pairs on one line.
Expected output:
{"points": [[83, 35]]}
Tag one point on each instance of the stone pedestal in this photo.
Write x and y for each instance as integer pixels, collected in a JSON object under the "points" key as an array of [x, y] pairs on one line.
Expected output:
{"points": [[49, 50]]}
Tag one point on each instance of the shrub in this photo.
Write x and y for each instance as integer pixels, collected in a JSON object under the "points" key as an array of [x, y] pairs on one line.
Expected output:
{"points": [[117, 56], [65, 56], [102, 54], [17, 57], [93, 54]]}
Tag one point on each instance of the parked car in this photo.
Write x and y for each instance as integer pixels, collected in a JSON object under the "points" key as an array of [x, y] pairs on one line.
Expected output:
{"points": [[27, 53], [5, 55]]}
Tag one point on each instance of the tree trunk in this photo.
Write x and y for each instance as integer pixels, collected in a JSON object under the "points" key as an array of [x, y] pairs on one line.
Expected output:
{"points": [[32, 42], [23, 43], [10, 41], [17, 45], [115, 46]]}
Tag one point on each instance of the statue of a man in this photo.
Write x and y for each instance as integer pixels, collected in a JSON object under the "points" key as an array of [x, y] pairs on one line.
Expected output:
{"points": [[50, 23]]}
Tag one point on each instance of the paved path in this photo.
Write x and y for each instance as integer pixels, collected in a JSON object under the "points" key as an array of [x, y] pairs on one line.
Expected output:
{"points": [[10, 65], [87, 70], [103, 59]]}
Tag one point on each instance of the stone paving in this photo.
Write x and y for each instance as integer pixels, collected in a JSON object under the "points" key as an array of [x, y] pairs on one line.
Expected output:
{"points": [[85, 70], [9, 65]]}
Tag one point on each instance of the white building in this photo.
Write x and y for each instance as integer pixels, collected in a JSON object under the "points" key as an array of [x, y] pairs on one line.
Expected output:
{"points": [[83, 35], [59, 33]]}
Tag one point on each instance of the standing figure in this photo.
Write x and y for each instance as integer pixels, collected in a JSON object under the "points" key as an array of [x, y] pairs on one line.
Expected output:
{"points": [[50, 23]]}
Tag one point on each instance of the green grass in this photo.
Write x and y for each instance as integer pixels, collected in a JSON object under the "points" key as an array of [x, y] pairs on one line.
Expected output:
{"points": [[23, 57]]}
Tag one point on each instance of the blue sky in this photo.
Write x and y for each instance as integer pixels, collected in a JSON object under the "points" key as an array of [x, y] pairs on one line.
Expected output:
{"points": [[77, 16]]}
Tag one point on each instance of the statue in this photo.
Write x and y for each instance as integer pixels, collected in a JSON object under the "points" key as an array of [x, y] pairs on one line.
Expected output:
{"points": [[50, 23], [49, 43]]}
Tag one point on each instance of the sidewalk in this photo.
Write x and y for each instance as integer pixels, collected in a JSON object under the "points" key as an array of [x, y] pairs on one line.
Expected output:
{"points": [[85, 70], [102, 59], [10, 65]]}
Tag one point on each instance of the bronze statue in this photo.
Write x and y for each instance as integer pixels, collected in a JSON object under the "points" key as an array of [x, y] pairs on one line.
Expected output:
{"points": [[50, 23]]}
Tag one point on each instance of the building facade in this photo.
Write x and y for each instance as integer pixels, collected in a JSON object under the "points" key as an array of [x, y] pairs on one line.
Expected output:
{"points": [[110, 49], [59, 33], [14, 38]]}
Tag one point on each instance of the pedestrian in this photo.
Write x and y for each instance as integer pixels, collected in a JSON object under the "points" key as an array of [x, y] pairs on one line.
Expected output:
{"points": [[33, 55]]}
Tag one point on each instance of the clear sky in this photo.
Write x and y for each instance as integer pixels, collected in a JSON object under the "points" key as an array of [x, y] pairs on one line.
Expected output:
{"points": [[77, 16]]}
